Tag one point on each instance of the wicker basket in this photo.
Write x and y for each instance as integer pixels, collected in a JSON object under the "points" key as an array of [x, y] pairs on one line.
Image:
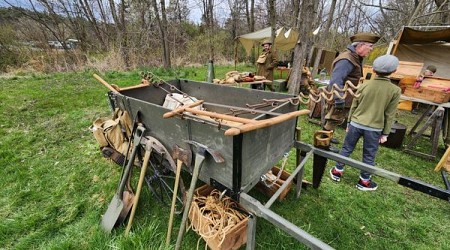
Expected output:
{"points": [[233, 238]]}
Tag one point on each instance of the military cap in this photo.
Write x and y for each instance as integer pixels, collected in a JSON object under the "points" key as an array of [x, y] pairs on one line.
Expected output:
{"points": [[365, 37], [432, 68], [385, 64], [267, 41]]}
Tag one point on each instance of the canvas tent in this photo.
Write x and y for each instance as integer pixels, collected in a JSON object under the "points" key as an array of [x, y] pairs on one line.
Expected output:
{"points": [[427, 47], [284, 39]]}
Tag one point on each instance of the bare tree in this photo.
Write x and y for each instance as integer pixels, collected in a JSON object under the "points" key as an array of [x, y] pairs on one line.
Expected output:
{"points": [[162, 24], [250, 14], [305, 27]]}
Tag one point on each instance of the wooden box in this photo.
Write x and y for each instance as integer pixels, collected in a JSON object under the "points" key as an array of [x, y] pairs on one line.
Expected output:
{"points": [[424, 93], [405, 69], [433, 89], [269, 188], [232, 238]]}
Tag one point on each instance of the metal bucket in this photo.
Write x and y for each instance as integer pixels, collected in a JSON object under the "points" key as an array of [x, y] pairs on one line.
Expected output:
{"points": [[395, 138]]}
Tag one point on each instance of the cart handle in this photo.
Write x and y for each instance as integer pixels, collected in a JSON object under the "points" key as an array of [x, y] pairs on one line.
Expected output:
{"points": [[105, 83], [265, 123]]}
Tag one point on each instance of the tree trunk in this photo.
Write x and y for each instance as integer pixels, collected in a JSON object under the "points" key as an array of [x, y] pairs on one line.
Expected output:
{"points": [[322, 36], [305, 28], [167, 63], [272, 20], [162, 31]]}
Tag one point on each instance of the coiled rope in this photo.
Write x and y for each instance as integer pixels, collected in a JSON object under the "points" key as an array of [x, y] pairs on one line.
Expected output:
{"points": [[217, 215], [316, 95]]}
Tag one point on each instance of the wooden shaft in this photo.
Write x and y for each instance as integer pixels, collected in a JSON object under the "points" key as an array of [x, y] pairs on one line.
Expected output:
{"points": [[265, 123], [174, 200], [220, 116], [105, 83], [182, 109], [443, 160], [138, 190]]}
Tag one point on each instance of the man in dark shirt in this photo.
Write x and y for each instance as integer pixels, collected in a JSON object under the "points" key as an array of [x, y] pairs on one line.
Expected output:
{"points": [[347, 67]]}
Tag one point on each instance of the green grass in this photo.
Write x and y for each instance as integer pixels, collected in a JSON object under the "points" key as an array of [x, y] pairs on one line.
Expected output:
{"points": [[56, 185]]}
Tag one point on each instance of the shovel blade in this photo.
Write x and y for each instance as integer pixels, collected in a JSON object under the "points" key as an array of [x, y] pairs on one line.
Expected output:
{"points": [[109, 219], [128, 202]]}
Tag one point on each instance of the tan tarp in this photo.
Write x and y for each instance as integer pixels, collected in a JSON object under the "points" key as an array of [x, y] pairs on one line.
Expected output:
{"points": [[427, 47], [284, 39]]}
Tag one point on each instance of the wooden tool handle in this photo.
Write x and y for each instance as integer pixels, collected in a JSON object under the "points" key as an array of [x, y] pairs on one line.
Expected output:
{"points": [[220, 116], [105, 83], [138, 190], [265, 123], [182, 109], [174, 200]]}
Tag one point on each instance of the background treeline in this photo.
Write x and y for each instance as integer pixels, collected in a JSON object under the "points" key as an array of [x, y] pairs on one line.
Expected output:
{"points": [[128, 34]]}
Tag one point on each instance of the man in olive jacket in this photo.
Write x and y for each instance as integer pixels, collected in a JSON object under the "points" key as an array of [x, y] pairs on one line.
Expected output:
{"points": [[266, 62], [347, 67]]}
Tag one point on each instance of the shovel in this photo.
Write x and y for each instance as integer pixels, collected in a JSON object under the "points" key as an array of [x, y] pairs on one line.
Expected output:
{"points": [[118, 208]]}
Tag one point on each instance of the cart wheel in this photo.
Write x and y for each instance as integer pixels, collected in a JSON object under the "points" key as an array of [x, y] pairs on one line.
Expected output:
{"points": [[160, 176]]}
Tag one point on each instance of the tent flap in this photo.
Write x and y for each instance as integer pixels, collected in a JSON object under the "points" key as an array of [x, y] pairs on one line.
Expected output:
{"points": [[284, 40], [427, 47]]}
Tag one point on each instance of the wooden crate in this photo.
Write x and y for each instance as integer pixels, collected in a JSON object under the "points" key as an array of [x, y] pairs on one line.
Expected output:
{"points": [[431, 95], [432, 89], [270, 188], [233, 239], [405, 69]]}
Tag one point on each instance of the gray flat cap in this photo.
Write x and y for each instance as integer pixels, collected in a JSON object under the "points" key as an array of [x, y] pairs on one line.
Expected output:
{"points": [[385, 64]]}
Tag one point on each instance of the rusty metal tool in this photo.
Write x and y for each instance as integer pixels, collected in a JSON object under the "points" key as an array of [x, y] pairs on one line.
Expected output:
{"points": [[182, 156], [199, 158]]}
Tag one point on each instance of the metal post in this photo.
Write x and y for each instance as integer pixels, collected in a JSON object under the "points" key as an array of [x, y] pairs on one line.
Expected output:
{"points": [[210, 77]]}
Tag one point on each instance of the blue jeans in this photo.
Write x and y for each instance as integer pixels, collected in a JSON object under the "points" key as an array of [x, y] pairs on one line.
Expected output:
{"points": [[370, 146]]}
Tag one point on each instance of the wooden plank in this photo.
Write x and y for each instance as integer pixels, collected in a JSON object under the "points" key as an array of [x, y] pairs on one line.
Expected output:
{"points": [[406, 68]]}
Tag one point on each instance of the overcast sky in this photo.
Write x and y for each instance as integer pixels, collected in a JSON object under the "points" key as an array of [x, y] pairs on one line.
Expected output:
{"points": [[221, 9]]}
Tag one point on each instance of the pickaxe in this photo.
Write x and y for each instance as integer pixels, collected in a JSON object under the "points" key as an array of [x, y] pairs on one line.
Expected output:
{"points": [[202, 150], [182, 156]]}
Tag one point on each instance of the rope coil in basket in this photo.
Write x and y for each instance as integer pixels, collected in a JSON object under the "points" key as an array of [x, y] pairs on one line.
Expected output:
{"points": [[218, 215]]}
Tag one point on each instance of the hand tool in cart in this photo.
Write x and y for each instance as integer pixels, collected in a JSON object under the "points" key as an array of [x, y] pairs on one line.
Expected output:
{"points": [[199, 158], [182, 156], [115, 213], [247, 124]]}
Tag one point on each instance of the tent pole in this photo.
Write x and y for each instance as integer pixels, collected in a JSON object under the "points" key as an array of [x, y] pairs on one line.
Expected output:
{"points": [[398, 41]]}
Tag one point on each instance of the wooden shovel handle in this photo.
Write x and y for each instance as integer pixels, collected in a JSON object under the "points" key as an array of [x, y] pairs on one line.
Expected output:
{"points": [[105, 83], [138, 191], [265, 123], [182, 109]]}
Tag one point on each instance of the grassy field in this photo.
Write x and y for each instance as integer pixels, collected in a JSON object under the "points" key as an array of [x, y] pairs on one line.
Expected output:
{"points": [[56, 185]]}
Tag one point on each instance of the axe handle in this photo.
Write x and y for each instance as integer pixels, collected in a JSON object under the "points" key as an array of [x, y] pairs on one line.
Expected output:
{"points": [[174, 200], [105, 83], [265, 123], [182, 109]]}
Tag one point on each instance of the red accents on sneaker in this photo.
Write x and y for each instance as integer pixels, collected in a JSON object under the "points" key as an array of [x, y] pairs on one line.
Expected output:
{"points": [[335, 174], [368, 185]]}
